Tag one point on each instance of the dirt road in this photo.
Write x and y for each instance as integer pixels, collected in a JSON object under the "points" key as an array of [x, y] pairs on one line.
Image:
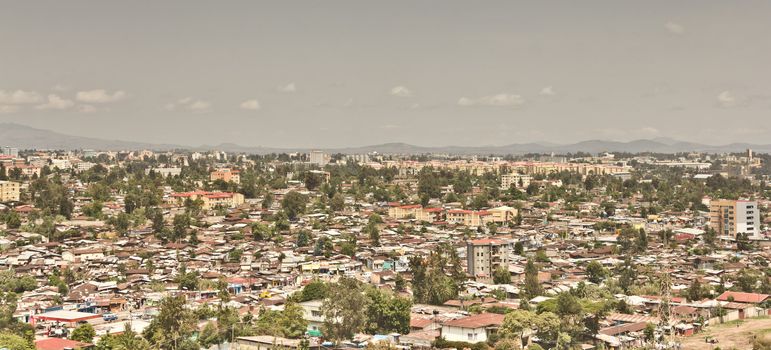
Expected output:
{"points": [[730, 336]]}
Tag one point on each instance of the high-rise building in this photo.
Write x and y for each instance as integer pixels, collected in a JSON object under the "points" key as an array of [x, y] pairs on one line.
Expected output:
{"points": [[319, 158], [486, 255], [729, 217], [10, 151]]}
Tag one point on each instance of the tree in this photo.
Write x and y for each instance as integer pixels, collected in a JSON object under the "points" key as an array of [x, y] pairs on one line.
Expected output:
{"points": [[342, 309], [595, 272], [373, 233], [187, 280], [173, 324], [337, 203], [532, 287], [180, 225], [501, 275], [84, 333], [695, 290], [12, 341], [294, 204], [303, 238], [709, 237], [315, 290], [438, 278], [292, 323], [387, 313]]}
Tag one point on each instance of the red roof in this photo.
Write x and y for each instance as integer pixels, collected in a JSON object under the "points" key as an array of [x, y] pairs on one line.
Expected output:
{"points": [[58, 344], [477, 321], [741, 297]]}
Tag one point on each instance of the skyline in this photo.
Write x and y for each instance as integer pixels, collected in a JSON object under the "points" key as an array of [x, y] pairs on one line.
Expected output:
{"points": [[349, 74]]}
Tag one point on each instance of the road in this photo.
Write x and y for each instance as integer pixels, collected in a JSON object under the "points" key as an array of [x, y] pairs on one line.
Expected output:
{"points": [[730, 336]]}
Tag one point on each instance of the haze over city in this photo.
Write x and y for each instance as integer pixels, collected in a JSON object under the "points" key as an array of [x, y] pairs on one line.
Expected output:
{"points": [[352, 73]]}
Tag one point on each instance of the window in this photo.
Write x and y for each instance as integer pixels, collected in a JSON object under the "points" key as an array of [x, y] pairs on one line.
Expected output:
{"points": [[315, 313], [470, 336]]}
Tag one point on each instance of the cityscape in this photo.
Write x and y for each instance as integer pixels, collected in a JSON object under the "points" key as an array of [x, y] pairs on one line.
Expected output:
{"points": [[300, 175]]}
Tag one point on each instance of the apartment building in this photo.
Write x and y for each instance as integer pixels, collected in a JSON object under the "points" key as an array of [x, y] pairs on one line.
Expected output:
{"points": [[486, 255], [227, 175], [210, 200], [415, 211], [318, 158], [729, 217], [469, 217], [515, 180], [9, 191]]}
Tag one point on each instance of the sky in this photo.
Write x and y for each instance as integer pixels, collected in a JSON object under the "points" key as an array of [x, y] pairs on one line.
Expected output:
{"points": [[351, 73]]}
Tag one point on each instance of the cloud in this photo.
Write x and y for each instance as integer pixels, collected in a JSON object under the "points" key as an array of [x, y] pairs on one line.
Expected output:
{"points": [[547, 91], [189, 104], [251, 105], [57, 103], [288, 88], [19, 97], [401, 91], [727, 99], [674, 28], [86, 109], [61, 87], [199, 106], [99, 96], [5, 109], [499, 100]]}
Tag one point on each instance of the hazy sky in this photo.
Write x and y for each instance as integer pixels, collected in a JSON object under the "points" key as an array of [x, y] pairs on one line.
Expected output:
{"points": [[348, 73]]}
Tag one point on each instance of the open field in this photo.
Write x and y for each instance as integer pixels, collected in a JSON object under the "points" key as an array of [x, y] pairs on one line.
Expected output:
{"points": [[730, 335]]}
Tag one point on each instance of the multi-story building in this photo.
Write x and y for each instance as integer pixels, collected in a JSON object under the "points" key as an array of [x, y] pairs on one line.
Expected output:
{"points": [[210, 200], [486, 255], [415, 211], [729, 217], [516, 180], [469, 217], [10, 151], [318, 158], [227, 175], [9, 191]]}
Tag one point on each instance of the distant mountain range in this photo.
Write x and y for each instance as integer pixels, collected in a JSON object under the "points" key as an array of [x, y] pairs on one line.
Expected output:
{"points": [[25, 137]]}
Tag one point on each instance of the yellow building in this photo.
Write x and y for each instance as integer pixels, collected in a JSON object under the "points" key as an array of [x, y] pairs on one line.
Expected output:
{"points": [[210, 200], [9, 191]]}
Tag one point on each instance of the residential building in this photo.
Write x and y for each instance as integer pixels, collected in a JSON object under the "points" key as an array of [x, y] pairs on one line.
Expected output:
{"points": [[469, 217], [472, 329], [227, 175], [313, 314], [165, 172], [211, 200], [10, 151], [729, 217], [502, 215], [9, 191], [318, 158], [515, 180], [486, 255]]}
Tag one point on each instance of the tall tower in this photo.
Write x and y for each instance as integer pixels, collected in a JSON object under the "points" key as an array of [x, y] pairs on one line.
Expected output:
{"points": [[665, 310]]}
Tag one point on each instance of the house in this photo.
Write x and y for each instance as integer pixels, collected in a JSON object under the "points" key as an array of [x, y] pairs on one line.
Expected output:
{"points": [[312, 313], [740, 297], [267, 342], [472, 329]]}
